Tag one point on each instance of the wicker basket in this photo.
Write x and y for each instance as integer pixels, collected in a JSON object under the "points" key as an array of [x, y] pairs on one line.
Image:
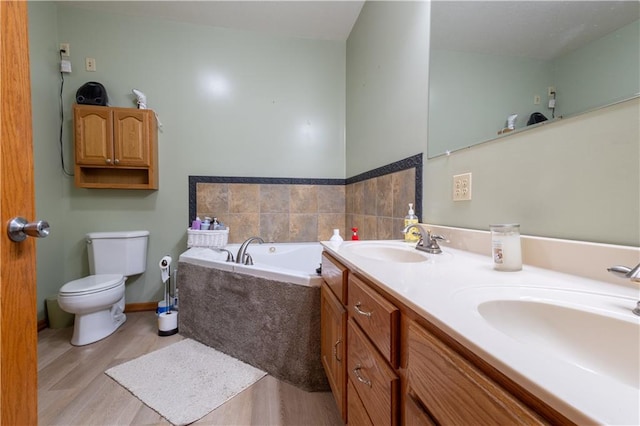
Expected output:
{"points": [[213, 239]]}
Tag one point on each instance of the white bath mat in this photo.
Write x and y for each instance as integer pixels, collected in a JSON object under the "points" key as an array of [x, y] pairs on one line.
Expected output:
{"points": [[186, 380]]}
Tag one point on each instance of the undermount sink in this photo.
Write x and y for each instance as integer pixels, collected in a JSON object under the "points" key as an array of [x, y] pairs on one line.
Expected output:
{"points": [[591, 331], [387, 252]]}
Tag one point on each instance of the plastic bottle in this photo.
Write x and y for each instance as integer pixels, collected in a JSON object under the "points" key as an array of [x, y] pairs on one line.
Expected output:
{"points": [[354, 235], [336, 239], [195, 225], [206, 224], [411, 219]]}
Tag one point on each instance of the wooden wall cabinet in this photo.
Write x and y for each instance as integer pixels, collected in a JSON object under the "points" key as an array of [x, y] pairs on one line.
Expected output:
{"points": [[115, 147]]}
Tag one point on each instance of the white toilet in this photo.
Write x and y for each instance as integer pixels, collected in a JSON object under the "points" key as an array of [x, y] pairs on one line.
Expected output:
{"points": [[98, 300]]}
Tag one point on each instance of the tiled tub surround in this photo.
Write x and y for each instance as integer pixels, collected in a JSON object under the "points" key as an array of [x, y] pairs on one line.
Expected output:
{"points": [[306, 210], [378, 205], [286, 212]]}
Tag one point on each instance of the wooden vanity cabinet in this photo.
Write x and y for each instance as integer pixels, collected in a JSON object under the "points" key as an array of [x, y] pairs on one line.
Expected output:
{"points": [[333, 343], [444, 388], [115, 147], [333, 329], [402, 369]]}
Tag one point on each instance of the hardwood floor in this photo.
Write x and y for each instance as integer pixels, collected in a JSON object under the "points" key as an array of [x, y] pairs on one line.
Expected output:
{"points": [[73, 389]]}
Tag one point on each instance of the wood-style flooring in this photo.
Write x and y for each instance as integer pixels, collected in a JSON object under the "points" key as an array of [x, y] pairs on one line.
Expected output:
{"points": [[73, 389]]}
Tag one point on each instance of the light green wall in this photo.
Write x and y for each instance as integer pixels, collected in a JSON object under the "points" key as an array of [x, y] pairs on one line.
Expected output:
{"points": [[492, 87], [387, 84], [577, 179], [601, 72], [49, 181], [232, 103]]}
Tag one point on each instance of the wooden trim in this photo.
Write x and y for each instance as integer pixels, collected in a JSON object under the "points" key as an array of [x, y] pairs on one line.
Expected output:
{"points": [[140, 307], [42, 324]]}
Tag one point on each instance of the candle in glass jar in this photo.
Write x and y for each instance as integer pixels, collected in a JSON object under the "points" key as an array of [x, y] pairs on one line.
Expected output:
{"points": [[506, 249]]}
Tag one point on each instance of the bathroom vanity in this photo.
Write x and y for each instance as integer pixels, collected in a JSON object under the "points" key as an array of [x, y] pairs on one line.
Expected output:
{"points": [[411, 341]]}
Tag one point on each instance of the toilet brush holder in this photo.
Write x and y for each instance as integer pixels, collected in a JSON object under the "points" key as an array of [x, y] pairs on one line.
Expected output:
{"points": [[168, 323]]}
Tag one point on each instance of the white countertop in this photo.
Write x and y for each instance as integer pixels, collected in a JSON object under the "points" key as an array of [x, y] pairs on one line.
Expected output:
{"points": [[447, 288]]}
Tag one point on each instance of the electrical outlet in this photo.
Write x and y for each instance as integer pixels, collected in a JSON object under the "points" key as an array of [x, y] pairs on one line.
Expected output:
{"points": [[551, 90], [536, 100], [90, 64], [462, 187], [65, 49]]}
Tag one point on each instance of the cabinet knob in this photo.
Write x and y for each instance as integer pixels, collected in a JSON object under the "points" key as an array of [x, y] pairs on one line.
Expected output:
{"points": [[108, 160], [117, 161]]}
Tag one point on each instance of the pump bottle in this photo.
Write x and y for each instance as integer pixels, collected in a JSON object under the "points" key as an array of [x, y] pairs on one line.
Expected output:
{"points": [[411, 219]]}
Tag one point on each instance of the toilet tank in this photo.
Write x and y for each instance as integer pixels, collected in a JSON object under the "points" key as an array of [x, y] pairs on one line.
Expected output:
{"points": [[122, 253]]}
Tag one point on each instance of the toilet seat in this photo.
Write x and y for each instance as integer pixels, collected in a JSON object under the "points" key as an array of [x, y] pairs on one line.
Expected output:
{"points": [[91, 284]]}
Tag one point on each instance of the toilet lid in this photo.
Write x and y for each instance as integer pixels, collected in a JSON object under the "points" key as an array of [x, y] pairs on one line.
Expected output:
{"points": [[92, 284]]}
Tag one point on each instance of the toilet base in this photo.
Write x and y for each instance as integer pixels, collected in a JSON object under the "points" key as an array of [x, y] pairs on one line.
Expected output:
{"points": [[91, 327]]}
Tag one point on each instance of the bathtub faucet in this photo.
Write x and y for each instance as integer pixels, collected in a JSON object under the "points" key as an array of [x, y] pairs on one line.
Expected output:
{"points": [[229, 255], [632, 273], [242, 251]]}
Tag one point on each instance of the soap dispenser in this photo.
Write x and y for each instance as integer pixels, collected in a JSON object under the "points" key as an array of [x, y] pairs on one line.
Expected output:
{"points": [[411, 219]]}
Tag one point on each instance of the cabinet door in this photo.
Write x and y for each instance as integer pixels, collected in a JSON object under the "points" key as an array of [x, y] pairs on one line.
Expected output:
{"points": [[131, 137], [333, 346], [93, 135], [453, 391]]}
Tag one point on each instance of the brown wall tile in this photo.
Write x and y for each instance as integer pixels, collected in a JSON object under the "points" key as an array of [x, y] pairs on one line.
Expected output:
{"points": [[331, 198], [369, 196], [274, 198], [327, 222], [274, 227], [384, 196], [303, 199], [303, 227], [242, 226], [244, 198]]}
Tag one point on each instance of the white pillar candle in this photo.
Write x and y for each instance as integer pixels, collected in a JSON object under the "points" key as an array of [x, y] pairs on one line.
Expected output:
{"points": [[506, 249]]}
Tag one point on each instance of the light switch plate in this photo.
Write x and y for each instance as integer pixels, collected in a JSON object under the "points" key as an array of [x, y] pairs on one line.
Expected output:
{"points": [[462, 187]]}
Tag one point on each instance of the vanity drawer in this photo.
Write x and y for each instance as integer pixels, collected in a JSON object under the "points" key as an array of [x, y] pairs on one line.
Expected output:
{"points": [[378, 318], [335, 275], [372, 378], [453, 391]]}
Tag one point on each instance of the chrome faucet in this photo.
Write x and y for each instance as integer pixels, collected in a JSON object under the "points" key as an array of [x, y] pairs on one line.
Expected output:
{"points": [[632, 273], [242, 251], [431, 245], [229, 255]]}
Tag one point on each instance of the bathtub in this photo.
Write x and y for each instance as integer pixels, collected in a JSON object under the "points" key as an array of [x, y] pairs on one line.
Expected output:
{"points": [[294, 263], [266, 314]]}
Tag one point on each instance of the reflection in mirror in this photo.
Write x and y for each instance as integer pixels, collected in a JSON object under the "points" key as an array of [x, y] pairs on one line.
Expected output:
{"points": [[493, 60]]}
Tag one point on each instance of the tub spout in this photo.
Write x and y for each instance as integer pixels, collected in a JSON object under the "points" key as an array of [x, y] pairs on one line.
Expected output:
{"points": [[243, 248]]}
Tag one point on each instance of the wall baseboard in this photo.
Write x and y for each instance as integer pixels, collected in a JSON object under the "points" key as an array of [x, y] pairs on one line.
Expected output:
{"points": [[42, 324], [140, 307]]}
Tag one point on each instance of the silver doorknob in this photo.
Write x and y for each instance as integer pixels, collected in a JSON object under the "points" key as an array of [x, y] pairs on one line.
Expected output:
{"points": [[18, 229]]}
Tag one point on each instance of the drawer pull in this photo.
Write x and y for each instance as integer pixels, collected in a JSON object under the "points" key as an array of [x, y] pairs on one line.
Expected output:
{"points": [[361, 379], [360, 311], [335, 350]]}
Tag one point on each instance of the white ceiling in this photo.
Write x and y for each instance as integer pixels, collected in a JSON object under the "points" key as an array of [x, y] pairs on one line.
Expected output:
{"points": [[324, 20]]}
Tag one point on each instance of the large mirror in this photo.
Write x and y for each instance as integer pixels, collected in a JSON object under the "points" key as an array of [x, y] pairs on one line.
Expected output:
{"points": [[491, 60]]}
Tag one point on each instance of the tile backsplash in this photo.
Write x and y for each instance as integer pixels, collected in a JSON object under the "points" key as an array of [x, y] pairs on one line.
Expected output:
{"points": [[304, 210]]}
